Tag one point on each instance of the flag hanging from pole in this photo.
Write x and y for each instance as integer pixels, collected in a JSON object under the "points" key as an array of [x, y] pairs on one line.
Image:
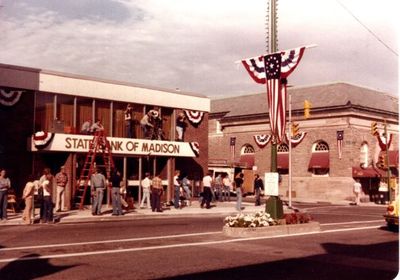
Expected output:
{"points": [[273, 70], [339, 137], [232, 145]]}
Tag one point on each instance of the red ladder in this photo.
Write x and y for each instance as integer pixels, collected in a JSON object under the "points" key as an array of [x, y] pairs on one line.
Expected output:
{"points": [[99, 145]]}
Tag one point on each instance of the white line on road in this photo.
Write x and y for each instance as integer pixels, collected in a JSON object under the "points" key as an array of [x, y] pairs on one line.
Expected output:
{"points": [[108, 241], [178, 245], [354, 222]]}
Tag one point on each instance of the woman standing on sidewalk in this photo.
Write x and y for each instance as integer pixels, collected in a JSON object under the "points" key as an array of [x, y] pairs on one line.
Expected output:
{"points": [[239, 191], [5, 185], [28, 197]]}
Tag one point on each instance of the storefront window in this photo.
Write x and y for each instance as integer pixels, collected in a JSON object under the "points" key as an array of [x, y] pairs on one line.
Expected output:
{"points": [[166, 115], [84, 111], [103, 113], [44, 111], [364, 155], [65, 112]]}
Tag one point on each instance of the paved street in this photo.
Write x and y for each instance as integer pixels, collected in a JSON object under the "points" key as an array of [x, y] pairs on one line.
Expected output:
{"points": [[353, 244]]}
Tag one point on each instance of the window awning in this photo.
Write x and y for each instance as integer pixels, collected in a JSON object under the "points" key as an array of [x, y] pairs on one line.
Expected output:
{"points": [[319, 160], [368, 172], [283, 161], [394, 158], [247, 160]]}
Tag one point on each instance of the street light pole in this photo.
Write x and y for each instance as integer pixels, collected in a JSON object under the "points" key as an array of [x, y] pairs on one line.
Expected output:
{"points": [[290, 149]]}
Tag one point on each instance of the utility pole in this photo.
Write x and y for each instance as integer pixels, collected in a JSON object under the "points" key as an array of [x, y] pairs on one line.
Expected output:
{"points": [[273, 204]]}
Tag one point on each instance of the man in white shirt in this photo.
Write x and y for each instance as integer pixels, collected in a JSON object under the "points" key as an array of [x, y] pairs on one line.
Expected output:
{"points": [[207, 184], [146, 183], [357, 191]]}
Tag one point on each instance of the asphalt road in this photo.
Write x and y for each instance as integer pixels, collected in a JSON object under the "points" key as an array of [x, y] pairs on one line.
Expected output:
{"points": [[353, 244]]}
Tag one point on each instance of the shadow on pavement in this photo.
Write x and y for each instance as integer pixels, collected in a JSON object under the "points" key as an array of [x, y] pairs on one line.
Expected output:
{"points": [[31, 268], [342, 261]]}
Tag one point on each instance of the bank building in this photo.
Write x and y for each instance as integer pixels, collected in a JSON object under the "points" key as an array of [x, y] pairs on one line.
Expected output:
{"points": [[43, 113]]}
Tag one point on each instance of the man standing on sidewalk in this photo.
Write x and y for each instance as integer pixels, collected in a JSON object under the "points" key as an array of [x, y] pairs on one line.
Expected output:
{"points": [[156, 192], [146, 183], [207, 184], [61, 182], [258, 187], [177, 186], [98, 184]]}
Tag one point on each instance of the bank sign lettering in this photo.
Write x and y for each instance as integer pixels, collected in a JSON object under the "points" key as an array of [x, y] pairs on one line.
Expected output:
{"points": [[124, 146]]}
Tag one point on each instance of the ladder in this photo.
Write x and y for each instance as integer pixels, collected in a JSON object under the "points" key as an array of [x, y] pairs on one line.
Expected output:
{"points": [[98, 156]]}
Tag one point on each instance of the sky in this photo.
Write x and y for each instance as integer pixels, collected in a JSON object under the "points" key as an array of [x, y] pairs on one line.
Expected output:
{"points": [[192, 45]]}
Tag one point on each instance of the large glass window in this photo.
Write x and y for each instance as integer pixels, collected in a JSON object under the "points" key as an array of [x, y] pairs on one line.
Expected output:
{"points": [[44, 111], [84, 111], [65, 112], [103, 113], [364, 154]]}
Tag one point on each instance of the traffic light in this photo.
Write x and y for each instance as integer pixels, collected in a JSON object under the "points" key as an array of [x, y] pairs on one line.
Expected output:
{"points": [[382, 164], [295, 129], [374, 128], [307, 109]]}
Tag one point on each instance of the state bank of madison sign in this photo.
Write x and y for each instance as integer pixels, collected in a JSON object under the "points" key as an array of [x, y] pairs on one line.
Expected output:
{"points": [[124, 146]]}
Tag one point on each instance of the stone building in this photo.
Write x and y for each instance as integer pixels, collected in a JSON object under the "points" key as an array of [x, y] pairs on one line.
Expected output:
{"points": [[35, 103], [320, 170]]}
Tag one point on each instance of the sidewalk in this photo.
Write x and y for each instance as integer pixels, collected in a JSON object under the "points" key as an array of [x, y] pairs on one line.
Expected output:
{"points": [[221, 209]]}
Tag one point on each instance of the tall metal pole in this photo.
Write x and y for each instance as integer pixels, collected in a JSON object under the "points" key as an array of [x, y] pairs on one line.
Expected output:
{"points": [[387, 161], [290, 149]]}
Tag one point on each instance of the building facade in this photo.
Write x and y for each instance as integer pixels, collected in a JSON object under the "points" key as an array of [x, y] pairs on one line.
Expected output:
{"points": [[333, 146], [42, 113]]}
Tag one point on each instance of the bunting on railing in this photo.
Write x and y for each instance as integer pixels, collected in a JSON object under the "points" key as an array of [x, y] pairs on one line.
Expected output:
{"points": [[296, 139], [10, 97], [42, 139], [382, 141], [195, 148], [262, 140], [194, 117]]}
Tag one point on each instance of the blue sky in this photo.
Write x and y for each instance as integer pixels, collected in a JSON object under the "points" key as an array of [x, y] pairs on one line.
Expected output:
{"points": [[192, 45]]}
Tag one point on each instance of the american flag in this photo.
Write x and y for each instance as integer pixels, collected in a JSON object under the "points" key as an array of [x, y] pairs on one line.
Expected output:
{"points": [[232, 145], [277, 67], [339, 137]]}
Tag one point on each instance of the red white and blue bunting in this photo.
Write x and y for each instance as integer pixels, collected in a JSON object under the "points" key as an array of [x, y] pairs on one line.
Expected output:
{"points": [[296, 139], [194, 117], [10, 97], [42, 139], [382, 141], [195, 148], [262, 140]]}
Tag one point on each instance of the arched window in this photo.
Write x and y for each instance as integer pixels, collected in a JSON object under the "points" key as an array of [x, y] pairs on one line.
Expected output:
{"points": [[247, 156], [319, 162], [364, 155], [283, 148]]}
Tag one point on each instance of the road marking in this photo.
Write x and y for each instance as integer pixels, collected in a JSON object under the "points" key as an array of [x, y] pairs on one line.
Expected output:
{"points": [[108, 241], [178, 245], [354, 222]]}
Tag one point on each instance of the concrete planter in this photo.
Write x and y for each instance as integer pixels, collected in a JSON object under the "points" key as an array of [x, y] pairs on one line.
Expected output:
{"points": [[271, 230]]}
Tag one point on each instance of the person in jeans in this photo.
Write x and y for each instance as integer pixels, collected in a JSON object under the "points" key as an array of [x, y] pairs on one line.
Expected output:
{"points": [[61, 182], [115, 193], [207, 194], [258, 187], [98, 184], [186, 188], [227, 187], [177, 186], [156, 192], [239, 191], [5, 185], [47, 203]]}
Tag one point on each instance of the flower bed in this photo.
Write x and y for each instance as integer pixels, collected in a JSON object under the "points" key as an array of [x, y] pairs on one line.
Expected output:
{"points": [[262, 224]]}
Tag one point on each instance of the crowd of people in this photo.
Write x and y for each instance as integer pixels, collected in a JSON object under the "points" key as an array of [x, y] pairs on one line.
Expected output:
{"points": [[213, 189]]}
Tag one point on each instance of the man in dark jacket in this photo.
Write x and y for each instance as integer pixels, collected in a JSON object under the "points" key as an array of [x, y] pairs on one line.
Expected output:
{"points": [[258, 187]]}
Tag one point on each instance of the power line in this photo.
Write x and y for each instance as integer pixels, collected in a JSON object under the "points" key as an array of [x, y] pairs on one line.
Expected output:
{"points": [[369, 30]]}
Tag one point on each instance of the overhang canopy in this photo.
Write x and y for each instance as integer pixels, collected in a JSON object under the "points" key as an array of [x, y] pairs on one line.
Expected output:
{"points": [[247, 160], [368, 172], [319, 160], [283, 161]]}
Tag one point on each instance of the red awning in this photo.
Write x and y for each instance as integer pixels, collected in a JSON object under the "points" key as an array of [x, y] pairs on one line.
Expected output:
{"points": [[283, 161], [368, 172], [319, 160], [247, 160], [394, 158]]}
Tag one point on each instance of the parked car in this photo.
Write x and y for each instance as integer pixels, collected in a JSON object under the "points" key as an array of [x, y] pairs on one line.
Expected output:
{"points": [[392, 214]]}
